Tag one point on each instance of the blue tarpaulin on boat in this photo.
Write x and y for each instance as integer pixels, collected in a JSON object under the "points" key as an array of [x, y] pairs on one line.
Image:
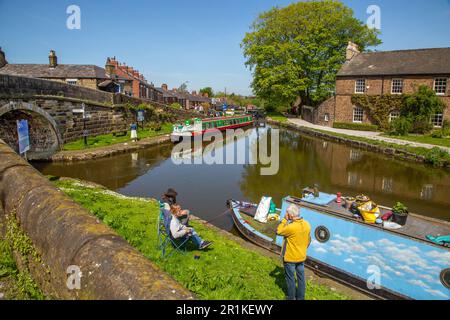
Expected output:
{"points": [[322, 200]]}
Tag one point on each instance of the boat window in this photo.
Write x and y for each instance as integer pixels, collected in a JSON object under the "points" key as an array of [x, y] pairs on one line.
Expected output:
{"points": [[322, 234], [445, 278]]}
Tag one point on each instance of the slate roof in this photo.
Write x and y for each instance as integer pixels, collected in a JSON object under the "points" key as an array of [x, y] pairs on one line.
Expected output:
{"points": [[166, 94], [403, 62], [60, 71]]}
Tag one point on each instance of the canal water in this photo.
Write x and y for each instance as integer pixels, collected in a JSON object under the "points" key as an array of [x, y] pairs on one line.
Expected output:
{"points": [[304, 161]]}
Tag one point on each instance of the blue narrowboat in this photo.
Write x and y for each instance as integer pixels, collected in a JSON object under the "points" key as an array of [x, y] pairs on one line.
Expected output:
{"points": [[384, 263]]}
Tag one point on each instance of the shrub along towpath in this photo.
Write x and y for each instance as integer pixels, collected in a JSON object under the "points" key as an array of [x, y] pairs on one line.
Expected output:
{"points": [[231, 270]]}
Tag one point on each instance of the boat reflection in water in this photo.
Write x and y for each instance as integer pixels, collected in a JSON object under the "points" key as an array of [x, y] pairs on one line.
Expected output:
{"points": [[400, 264]]}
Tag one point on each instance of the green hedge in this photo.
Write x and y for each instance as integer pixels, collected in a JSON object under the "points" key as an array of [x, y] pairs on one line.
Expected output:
{"points": [[355, 126]]}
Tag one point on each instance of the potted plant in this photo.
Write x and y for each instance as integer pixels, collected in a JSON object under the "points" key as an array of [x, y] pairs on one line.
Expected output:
{"points": [[400, 213]]}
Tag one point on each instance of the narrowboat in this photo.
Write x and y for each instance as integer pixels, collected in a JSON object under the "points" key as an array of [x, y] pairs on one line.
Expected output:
{"points": [[405, 263], [196, 127]]}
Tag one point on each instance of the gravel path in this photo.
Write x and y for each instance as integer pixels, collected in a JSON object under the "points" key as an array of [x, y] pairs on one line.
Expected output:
{"points": [[365, 134]]}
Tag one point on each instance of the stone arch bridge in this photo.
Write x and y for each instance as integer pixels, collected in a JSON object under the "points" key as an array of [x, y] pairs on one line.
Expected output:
{"points": [[52, 123], [49, 108]]}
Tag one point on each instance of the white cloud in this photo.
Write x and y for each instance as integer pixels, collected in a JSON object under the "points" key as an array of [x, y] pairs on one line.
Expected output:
{"points": [[349, 260], [370, 244], [437, 293], [442, 258], [321, 250], [407, 269], [419, 283]]}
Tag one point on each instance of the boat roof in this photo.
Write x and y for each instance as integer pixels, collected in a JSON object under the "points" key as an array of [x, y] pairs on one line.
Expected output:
{"points": [[230, 117]]}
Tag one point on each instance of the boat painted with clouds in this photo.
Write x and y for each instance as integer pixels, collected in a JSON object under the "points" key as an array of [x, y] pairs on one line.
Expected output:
{"points": [[385, 263]]}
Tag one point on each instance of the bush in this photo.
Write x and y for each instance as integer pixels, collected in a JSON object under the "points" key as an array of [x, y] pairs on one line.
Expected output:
{"points": [[355, 126], [400, 126], [421, 126], [176, 105], [438, 157], [441, 133]]}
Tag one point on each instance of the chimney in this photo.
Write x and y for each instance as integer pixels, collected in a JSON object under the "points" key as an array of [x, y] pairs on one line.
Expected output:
{"points": [[351, 51], [110, 68], [194, 93], [164, 87], [52, 59], [3, 61]]}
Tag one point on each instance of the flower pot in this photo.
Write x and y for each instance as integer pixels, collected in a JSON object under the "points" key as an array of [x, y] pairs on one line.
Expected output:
{"points": [[400, 218]]}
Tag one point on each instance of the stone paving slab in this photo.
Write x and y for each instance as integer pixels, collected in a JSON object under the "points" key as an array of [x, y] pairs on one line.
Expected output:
{"points": [[366, 134]]}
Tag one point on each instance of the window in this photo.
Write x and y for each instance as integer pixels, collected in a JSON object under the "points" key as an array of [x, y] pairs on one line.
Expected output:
{"points": [[394, 115], [358, 115], [326, 117], [72, 81], [440, 85], [427, 192], [352, 179], [355, 155], [387, 185], [437, 120], [397, 86], [360, 86]]}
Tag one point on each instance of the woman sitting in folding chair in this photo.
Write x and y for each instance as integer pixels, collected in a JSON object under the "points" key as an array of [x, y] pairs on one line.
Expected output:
{"points": [[181, 232]]}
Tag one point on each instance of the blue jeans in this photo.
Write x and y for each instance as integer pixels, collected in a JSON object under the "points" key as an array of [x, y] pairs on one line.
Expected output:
{"points": [[290, 269], [195, 238]]}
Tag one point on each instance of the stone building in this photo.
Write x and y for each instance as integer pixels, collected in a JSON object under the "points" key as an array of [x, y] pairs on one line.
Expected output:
{"points": [[385, 73], [89, 76]]}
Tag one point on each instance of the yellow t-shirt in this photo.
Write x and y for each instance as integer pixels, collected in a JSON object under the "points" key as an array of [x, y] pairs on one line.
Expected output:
{"points": [[297, 237]]}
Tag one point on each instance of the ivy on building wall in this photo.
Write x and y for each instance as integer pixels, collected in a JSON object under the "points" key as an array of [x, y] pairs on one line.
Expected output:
{"points": [[380, 106]]}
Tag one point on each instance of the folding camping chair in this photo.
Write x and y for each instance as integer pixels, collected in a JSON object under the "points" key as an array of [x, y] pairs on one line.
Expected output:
{"points": [[165, 238]]}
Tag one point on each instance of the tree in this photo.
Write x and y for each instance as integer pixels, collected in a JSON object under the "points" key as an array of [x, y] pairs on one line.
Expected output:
{"points": [[183, 87], [420, 107], [207, 90], [295, 52]]}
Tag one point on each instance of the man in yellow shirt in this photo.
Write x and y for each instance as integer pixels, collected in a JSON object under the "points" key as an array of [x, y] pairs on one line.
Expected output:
{"points": [[297, 237]]}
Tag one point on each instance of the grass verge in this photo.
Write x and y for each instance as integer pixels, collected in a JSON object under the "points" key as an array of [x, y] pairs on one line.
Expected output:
{"points": [[436, 156], [15, 284], [110, 139], [443, 142], [277, 116], [227, 271]]}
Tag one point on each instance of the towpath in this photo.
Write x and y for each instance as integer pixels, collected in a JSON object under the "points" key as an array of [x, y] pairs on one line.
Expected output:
{"points": [[365, 134]]}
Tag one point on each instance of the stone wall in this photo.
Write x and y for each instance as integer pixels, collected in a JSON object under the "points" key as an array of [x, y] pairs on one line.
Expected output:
{"points": [[64, 234], [14, 86], [70, 125]]}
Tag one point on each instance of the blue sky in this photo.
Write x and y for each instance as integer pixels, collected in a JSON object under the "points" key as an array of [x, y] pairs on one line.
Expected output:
{"points": [[173, 41]]}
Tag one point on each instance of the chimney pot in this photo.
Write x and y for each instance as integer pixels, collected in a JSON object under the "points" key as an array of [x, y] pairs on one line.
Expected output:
{"points": [[351, 51], [3, 61], [52, 59]]}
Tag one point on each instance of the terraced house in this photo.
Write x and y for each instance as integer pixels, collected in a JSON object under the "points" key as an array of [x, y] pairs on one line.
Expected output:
{"points": [[382, 73], [85, 75]]}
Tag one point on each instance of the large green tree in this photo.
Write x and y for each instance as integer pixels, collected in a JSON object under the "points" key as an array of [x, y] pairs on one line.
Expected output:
{"points": [[295, 52], [207, 90]]}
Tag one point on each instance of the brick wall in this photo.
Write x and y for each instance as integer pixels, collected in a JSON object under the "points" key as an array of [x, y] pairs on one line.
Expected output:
{"points": [[345, 88], [326, 109]]}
